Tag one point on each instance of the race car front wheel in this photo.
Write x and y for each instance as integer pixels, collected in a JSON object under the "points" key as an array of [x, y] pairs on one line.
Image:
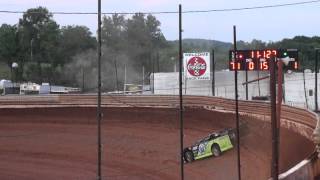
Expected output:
{"points": [[188, 156], [215, 149]]}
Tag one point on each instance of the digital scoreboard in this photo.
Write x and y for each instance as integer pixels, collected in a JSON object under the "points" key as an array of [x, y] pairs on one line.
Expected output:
{"points": [[259, 60]]}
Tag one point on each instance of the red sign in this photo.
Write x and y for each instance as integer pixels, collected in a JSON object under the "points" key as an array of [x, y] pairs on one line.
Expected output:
{"points": [[197, 66]]}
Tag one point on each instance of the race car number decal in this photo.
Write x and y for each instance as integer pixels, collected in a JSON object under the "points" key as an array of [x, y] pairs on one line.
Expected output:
{"points": [[202, 148]]}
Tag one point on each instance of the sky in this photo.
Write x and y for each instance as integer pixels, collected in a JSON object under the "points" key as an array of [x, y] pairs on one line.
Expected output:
{"points": [[270, 24]]}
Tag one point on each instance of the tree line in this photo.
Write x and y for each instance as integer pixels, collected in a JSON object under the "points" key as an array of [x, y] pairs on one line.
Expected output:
{"points": [[46, 52], [40, 47]]}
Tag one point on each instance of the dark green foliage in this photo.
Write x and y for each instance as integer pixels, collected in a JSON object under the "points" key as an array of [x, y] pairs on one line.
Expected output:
{"points": [[306, 47], [47, 53], [8, 44], [134, 43], [40, 47], [139, 38], [74, 40], [38, 40]]}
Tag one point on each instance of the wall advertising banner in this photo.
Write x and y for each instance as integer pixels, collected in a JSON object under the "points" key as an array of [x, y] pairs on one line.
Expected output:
{"points": [[197, 66]]}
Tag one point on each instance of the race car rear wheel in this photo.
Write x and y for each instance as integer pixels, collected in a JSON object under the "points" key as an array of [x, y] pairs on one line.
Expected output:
{"points": [[215, 149], [188, 156]]}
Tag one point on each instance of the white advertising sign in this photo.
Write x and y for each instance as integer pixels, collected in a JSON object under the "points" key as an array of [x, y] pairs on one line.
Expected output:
{"points": [[197, 66]]}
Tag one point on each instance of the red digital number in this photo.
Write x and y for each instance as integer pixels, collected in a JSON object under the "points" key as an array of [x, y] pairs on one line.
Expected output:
{"points": [[264, 65], [295, 65], [268, 54], [252, 54], [251, 65], [235, 65], [263, 54], [232, 65], [258, 54]]}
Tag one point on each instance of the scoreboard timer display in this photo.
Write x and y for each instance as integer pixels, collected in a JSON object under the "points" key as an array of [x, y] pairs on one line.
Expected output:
{"points": [[259, 60]]}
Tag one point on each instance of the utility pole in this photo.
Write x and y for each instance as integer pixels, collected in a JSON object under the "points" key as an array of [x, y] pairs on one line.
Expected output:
{"points": [[236, 99], [304, 89], [116, 69], [274, 123], [82, 80], [158, 61], [259, 92], [99, 114], [31, 50], [142, 79], [246, 83], [174, 64], [316, 80], [180, 94], [213, 74], [125, 79], [153, 73]]}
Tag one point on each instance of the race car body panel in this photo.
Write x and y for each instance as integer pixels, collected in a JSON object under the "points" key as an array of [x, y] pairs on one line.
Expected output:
{"points": [[204, 147], [224, 143]]}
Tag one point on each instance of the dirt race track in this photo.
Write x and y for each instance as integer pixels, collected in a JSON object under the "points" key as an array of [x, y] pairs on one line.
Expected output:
{"points": [[139, 144]]}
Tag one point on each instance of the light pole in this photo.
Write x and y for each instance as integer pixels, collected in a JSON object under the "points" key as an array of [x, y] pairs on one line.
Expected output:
{"points": [[316, 80], [274, 127], [14, 66], [213, 74], [180, 94], [31, 49], [99, 109], [236, 100], [174, 64], [142, 79], [276, 110]]}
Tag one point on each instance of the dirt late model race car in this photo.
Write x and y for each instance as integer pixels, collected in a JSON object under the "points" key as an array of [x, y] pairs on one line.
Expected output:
{"points": [[214, 144]]}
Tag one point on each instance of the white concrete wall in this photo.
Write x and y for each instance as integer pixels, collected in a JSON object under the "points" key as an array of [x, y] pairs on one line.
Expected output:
{"points": [[295, 92], [167, 83]]}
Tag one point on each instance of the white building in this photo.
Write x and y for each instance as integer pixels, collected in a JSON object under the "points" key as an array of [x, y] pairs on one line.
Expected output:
{"points": [[5, 83], [7, 87], [29, 88]]}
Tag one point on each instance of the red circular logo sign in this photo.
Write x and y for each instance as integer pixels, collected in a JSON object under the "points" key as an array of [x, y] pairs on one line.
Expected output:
{"points": [[197, 66]]}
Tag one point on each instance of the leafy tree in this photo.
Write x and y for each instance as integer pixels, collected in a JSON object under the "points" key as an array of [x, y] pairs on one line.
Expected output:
{"points": [[154, 32], [139, 44], [144, 40], [8, 44], [81, 71], [39, 35], [74, 40], [305, 45], [133, 42], [113, 29], [257, 44], [67, 55]]}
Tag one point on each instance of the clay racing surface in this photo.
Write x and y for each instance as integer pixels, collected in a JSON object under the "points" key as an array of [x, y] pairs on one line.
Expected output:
{"points": [[138, 144]]}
